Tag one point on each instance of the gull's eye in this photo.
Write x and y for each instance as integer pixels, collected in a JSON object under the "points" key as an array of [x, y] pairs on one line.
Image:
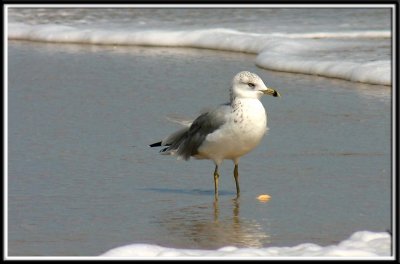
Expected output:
{"points": [[252, 85]]}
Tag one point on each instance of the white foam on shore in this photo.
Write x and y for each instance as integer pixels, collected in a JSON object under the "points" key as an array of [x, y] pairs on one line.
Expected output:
{"points": [[362, 244], [342, 35], [297, 53], [376, 72]]}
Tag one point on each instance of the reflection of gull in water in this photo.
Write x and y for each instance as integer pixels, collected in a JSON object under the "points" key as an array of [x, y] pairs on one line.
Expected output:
{"points": [[226, 132], [207, 227]]}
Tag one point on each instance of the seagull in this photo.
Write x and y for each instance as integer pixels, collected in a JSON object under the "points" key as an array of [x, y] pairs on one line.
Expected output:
{"points": [[228, 131]]}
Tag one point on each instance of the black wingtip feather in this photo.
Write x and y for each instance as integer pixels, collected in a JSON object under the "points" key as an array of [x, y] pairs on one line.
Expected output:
{"points": [[157, 144], [163, 150]]}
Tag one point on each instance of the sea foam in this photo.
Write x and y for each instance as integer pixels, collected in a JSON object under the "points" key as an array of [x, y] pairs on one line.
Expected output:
{"points": [[297, 53], [364, 244]]}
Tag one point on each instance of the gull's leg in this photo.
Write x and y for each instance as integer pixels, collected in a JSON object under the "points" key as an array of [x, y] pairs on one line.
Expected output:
{"points": [[236, 175], [216, 176]]}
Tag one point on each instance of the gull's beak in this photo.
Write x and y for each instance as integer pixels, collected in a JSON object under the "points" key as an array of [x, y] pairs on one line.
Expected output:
{"points": [[272, 92]]}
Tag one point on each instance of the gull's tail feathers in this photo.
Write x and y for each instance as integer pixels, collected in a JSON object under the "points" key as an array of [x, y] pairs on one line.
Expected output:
{"points": [[173, 142]]}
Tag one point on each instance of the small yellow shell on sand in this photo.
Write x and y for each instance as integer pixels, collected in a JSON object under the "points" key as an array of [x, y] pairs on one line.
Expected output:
{"points": [[264, 197]]}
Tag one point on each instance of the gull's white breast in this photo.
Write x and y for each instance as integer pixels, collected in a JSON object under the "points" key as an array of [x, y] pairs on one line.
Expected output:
{"points": [[244, 128]]}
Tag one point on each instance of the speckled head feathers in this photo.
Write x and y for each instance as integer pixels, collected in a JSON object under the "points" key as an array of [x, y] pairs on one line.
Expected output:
{"points": [[246, 84], [246, 77]]}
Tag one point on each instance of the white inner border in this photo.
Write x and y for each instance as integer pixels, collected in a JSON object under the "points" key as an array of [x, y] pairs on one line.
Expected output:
{"points": [[194, 6]]}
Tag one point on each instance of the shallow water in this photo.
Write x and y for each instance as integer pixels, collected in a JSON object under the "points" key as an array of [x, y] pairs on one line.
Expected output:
{"points": [[81, 179]]}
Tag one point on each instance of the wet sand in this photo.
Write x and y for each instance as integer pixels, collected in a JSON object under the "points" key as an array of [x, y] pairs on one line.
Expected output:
{"points": [[82, 180]]}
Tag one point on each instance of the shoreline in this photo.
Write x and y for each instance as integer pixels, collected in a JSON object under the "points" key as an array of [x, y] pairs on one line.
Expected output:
{"points": [[283, 53]]}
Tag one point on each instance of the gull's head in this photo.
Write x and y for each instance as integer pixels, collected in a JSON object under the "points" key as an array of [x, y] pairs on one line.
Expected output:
{"points": [[249, 85]]}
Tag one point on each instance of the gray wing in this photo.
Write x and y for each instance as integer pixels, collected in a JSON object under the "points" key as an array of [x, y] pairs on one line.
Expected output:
{"points": [[187, 141]]}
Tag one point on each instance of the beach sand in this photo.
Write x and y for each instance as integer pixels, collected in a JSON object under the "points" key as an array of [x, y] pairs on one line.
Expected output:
{"points": [[82, 180]]}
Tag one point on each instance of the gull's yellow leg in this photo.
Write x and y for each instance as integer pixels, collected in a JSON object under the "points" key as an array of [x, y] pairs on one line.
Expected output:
{"points": [[236, 175], [216, 176]]}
